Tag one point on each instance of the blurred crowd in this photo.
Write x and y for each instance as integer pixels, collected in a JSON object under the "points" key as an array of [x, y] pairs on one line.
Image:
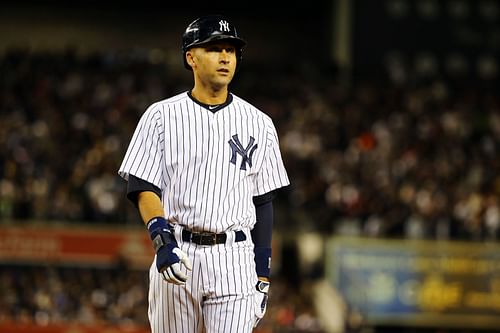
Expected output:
{"points": [[374, 157], [412, 160], [65, 123], [48, 295]]}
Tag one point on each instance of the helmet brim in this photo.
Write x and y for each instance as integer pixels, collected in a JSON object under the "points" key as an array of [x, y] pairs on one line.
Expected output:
{"points": [[236, 41]]}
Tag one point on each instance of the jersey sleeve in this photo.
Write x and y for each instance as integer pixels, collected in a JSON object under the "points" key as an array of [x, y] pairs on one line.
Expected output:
{"points": [[272, 175], [144, 155]]}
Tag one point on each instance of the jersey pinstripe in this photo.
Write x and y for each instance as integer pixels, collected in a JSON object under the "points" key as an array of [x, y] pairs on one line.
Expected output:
{"points": [[184, 149]]}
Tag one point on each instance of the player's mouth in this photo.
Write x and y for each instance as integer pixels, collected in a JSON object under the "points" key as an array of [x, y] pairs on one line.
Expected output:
{"points": [[223, 70]]}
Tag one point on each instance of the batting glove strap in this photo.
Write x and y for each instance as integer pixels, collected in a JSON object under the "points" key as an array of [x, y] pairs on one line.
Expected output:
{"points": [[161, 233], [263, 286], [263, 261]]}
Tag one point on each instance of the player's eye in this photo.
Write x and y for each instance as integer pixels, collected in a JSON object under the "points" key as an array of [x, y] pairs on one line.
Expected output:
{"points": [[213, 49]]}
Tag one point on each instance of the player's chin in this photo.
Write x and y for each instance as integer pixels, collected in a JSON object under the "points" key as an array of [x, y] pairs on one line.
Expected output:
{"points": [[224, 80], [225, 76]]}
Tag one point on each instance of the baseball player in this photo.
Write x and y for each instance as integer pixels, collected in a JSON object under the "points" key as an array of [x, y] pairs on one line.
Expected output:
{"points": [[202, 168]]}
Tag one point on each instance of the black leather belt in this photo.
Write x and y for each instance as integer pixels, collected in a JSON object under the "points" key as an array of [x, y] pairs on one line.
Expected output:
{"points": [[210, 238]]}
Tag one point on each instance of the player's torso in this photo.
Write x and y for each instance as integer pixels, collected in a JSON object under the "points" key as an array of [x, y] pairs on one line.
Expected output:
{"points": [[210, 161]]}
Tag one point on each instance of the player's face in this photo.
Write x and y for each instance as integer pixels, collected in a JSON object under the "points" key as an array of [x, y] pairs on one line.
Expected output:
{"points": [[214, 63]]}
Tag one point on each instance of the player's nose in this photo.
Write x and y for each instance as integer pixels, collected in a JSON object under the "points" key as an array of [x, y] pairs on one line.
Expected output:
{"points": [[224, 56]]}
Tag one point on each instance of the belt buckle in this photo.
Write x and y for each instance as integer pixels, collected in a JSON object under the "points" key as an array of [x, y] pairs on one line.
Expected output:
{"points": [[208, 238]]}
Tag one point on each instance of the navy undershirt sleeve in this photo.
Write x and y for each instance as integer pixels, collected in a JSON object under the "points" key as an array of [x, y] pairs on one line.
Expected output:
{"points": [[262, 234], [137, 185], [262, 231]]}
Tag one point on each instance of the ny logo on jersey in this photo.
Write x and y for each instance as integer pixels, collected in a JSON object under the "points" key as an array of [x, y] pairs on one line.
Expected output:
{"points": [[246, 153], [223, 25]]}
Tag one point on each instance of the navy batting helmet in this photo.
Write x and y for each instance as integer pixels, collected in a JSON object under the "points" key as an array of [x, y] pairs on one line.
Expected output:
{"points": [[208, 29]]}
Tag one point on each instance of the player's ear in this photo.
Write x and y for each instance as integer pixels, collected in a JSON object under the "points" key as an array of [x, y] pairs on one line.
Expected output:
{"points": [[190, 59]]}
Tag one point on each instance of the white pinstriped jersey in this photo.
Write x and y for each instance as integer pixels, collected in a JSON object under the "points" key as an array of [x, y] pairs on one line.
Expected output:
{"points": [[208, 165]]}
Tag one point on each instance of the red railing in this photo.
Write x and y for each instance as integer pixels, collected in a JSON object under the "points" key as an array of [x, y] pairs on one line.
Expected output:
{"points": [[74, 245], [32, 328]]}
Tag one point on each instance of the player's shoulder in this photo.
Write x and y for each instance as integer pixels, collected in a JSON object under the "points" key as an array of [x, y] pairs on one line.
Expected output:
{"points": [[251, 108], [166, 103], [156, 111]]}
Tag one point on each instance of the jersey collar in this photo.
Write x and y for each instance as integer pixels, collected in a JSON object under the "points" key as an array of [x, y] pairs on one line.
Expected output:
{"points": [[212, 108]]}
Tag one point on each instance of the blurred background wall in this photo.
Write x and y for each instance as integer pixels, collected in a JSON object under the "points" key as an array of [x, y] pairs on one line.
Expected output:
{"points": [[91, 26], [389, 122]]}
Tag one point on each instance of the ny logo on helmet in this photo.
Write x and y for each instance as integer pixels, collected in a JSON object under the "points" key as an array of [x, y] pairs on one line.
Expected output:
{"points": [[246, 153], [223, 25]]}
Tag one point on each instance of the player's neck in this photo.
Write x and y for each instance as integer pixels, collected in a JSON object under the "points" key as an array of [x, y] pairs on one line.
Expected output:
{"points": [[210, 96]]}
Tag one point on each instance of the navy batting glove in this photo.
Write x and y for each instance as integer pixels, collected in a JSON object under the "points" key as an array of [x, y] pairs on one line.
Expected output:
{"points": [[168, 255]]}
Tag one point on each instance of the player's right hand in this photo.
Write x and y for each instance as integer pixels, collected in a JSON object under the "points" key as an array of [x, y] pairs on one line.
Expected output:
{"points": [[168, 262], [168, 255]]}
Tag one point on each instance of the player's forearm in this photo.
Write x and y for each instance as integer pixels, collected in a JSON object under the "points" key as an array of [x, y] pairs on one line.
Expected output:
{"points": [[262, 237], [149, 205]]}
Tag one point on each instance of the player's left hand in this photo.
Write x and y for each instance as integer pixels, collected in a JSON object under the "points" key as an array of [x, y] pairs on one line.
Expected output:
{"points": [[260, 297]]}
